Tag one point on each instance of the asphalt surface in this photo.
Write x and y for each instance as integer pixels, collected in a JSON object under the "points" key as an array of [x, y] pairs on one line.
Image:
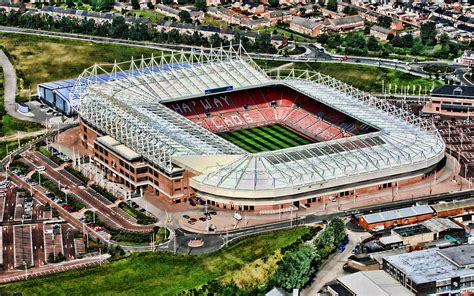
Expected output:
{"points": [[76, 188]]}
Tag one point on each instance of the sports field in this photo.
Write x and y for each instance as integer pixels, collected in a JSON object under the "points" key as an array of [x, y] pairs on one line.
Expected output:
{"points": [[265, 138]]}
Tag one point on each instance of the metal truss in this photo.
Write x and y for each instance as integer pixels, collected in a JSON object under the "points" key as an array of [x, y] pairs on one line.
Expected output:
{"points": [[401, 142]]}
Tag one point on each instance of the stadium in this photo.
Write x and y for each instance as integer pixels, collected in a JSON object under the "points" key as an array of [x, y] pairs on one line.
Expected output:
{"points": [[212, 126]]}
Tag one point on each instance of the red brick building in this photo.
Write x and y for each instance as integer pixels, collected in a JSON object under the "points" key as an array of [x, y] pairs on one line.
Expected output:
{"points": [[396, 217]]}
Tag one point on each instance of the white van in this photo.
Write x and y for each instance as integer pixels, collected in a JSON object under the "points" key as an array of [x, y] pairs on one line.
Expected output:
{"points": [[40, 168]]}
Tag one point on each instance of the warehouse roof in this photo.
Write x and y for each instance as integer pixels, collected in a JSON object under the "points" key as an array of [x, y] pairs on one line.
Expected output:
{"points": [[373, 282], [438, 225], [453, 205], [397, 214], [431, 265]]}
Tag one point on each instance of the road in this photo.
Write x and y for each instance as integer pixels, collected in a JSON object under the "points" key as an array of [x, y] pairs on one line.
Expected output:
{"points": [[332, 267], [75, 187], [313, 56]]}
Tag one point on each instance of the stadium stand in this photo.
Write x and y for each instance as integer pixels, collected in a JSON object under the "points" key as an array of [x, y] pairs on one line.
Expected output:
{"points": [[267, 105]]}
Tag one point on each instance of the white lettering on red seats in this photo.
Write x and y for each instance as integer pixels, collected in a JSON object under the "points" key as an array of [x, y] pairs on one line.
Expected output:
{"points": [[247, 117], [215, 124]]}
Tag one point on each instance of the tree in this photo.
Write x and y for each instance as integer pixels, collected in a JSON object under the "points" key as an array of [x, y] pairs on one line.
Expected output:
{"points": [[263, 43], [119, 28], [200, 5], [322, 3], [407, 41], [104, 5], [215, 40], [322, 38], [373, 44], [185, 16], [443, 38], [339, 229], [396, 41], [302, 11], [332, 5], [274, 3], [296, 268], [355, 40], [70, 3], [428, 33], [135, 4], [384, 21]]}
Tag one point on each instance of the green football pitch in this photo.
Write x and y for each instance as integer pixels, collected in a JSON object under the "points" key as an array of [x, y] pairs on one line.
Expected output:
{"points": [[265, 138]]}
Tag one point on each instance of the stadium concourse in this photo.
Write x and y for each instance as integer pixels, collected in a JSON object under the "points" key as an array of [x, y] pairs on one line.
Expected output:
{"points": [[211, 127]]}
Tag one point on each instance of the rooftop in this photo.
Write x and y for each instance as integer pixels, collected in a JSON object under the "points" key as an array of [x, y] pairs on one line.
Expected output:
{"points": [[373, 282], [454, 91], [388, 240], [411, 230], [429, 265], [453, 205], [462, 256], [397, 214], [438, 225], [305, 23], [344, 21], [380, 29]]}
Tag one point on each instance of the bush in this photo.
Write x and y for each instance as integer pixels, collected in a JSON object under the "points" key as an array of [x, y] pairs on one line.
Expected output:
{"points": [[77, 174], [104, 193], [141, 218], [43, 150]]}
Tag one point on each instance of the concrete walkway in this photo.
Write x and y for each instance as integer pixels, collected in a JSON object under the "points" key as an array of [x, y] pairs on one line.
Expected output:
{"points": [[21, 135]]}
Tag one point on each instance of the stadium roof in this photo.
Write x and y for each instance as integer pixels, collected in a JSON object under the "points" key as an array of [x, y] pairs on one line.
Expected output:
{"points": [[126, 104]]}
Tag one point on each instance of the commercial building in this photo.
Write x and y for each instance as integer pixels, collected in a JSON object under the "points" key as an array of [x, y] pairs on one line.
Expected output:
{"points": [[363, 283], [57, 95], [454, 208], [396, 217], [434, 271], [453, 101]]}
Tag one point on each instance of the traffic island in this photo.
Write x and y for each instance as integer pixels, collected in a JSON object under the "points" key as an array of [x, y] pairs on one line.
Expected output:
{"points": [[195, 243]]}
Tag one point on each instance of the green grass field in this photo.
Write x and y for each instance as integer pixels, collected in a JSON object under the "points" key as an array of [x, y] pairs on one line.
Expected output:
{"points": [[44, 59], [265, 138], [363, 77], [157, 273]]}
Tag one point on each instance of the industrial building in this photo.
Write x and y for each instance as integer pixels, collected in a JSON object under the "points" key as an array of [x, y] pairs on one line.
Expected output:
{"points": [[434, 271]]}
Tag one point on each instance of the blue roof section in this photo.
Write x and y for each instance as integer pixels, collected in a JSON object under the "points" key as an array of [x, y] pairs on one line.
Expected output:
{"points": [[65, 87]]}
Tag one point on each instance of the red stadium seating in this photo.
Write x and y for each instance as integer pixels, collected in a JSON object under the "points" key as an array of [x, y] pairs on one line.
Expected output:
{"points": [[296, 115], [268, 113], [253, 116], [282, 113], [307, 122], [226, 111]]}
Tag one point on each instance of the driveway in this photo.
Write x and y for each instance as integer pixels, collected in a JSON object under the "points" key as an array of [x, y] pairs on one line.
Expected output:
{"points": [[332, 268]]}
